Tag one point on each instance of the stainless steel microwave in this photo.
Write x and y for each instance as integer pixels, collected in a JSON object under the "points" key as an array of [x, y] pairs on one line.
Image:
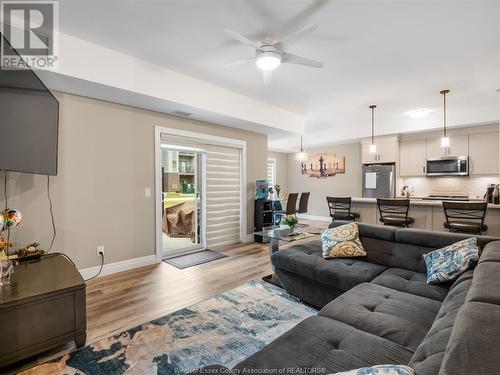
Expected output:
{"points": [[448, 166]]}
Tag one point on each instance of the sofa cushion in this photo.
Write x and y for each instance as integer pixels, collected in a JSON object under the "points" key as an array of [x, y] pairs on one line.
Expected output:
{"points": [[472, 348], [342, 241], [411, 282], [447, 263], [326, 346], [343, 273], [429, 355], [486, 283], [396, 316], [491, 252]]}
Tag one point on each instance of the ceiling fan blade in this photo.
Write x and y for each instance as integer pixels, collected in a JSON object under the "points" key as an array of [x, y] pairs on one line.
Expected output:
{"points": [[299, 60], [267, 75], [296, 35], [236, 63], [242, 39]]}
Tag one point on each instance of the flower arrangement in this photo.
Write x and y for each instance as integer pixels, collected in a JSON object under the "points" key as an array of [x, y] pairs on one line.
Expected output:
{"points": [[277, 188], [291, 221]]}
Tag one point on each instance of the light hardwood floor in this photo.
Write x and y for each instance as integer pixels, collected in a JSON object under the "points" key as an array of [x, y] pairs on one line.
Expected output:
{"points": [[124, 300]]}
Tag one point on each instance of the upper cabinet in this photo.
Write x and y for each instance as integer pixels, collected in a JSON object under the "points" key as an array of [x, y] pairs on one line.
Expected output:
{"points": [[459, 146], [483, 153], [413, 158], [387, 151]]}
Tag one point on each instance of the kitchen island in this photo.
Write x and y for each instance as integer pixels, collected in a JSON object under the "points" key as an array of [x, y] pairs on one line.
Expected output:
{"points": [[428, 214]]}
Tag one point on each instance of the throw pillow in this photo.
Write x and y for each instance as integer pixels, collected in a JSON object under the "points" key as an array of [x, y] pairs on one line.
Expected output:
{"points": [[342, 241], [449, 262], [380, 370]]}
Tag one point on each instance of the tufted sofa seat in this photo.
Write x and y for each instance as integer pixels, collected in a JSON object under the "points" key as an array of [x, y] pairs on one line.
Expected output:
{"points": [[386, 314]]}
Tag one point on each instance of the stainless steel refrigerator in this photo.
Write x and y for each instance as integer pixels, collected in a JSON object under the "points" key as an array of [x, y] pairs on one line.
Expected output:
{"points": [[379, 181]]}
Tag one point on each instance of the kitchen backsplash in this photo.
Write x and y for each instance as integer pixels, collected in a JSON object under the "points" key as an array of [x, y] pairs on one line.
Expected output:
{"points": [[475, 187]]}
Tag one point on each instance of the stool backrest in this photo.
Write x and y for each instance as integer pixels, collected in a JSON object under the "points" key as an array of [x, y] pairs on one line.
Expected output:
{"points": [[303, 202], [465, 211], [291, 203], [394, 208], [339, 205]]}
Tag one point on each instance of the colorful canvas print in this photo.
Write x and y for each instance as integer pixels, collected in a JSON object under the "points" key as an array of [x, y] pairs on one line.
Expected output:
{"points": [[323, 165]]}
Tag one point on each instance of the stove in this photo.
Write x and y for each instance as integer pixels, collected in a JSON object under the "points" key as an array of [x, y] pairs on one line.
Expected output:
{"points": [[435, 197]]}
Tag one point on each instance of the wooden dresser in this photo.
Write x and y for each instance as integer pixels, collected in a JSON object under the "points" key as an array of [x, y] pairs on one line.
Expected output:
{"points": [[41, 309]]}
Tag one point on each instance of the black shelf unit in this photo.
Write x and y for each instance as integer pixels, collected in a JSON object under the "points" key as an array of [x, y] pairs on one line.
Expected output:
{"points": [[263, 217]]}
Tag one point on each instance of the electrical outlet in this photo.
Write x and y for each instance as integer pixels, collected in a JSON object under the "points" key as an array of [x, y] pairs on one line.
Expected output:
{"points": [[147, 192], [99, 249]]}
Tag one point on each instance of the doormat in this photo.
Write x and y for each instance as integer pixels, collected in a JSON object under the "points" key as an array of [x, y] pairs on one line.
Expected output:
{"points": [[194, 259]]}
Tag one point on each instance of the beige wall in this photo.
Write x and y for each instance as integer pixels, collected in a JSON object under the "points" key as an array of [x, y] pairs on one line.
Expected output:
{"points": [[348, 184], [281, 168], [106, 159]]}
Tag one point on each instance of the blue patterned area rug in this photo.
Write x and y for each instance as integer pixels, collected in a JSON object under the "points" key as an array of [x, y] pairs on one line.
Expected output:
{"points": [[223, 330]]}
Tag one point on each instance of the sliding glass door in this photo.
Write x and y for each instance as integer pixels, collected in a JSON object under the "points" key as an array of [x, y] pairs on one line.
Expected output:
{"points": [[182, 198]]}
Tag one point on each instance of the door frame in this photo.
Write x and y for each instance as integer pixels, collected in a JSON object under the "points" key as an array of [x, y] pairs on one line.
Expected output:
{"points": [[229, 142]]}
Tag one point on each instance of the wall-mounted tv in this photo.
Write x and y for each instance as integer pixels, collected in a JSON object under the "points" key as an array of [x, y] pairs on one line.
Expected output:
{"points": [[29, 121]]}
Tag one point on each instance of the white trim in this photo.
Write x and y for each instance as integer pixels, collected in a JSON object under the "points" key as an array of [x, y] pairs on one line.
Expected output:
{"points": [[314, 217], [120, 266], [238, 143]]}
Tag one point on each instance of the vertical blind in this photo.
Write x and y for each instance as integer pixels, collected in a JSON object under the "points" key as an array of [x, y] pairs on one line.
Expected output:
{"points": [[223, 201]]}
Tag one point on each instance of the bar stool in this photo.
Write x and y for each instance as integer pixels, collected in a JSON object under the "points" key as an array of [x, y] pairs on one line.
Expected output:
{"points": [[340, 209], [303, 202], [465, 217], [394, 212]]}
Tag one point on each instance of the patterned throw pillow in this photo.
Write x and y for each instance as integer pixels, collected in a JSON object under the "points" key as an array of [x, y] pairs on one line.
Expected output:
{"points": [[342, 241], [380, 370], [447, 263]]}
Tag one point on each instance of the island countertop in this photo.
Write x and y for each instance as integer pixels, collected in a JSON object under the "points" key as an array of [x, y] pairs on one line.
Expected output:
{"points": [[428, 214], [424, 202]]}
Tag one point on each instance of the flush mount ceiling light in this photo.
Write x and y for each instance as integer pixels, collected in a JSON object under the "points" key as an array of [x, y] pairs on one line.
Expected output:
{"points": [[301, 155], [419, 113], [373, 147], [445, 140]]}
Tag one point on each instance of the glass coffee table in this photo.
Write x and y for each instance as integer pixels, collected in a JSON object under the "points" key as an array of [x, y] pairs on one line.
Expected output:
{"points": [[285, 234]]}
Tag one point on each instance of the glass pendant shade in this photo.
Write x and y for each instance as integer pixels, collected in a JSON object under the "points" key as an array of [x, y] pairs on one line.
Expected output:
{"points": [[445, 140], [301, 156], [373, 149]]}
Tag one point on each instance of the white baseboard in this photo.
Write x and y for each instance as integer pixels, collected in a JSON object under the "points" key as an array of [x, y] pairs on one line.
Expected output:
{"points": [[314, 217], [120, 266]]}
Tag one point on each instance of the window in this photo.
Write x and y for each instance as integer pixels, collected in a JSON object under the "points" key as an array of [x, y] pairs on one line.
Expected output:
{"points": [[271, 171]]}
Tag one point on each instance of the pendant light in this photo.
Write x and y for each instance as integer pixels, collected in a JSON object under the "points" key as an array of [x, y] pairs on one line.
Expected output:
{"points": [[445, 140], [301, 155], [373, 147]]}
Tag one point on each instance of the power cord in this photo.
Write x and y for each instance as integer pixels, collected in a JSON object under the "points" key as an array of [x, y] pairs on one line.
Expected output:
{"points": [[54, 231], [100, 268]]}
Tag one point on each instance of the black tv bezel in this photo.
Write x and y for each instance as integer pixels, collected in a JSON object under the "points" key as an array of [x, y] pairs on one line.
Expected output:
{"points": [[4, 40]]}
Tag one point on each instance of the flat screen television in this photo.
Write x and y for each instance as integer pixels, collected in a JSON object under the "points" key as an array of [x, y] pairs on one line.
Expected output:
{"points": [[29, 121]]}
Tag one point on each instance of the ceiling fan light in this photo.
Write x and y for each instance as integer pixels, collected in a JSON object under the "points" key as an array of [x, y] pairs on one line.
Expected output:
{"points": [[445, 142], [268, 60], [373, 149], [301, 156]]}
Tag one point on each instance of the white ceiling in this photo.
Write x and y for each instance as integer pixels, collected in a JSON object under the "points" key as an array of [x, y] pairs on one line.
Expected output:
{"points": [[397, 54]]}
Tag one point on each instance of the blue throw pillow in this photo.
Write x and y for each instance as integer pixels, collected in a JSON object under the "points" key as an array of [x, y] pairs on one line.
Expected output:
{"points": [[447, 263], [380, 370]]}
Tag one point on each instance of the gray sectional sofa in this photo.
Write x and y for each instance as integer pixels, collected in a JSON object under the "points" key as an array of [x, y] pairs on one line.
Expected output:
{"points": [[379, 309]]}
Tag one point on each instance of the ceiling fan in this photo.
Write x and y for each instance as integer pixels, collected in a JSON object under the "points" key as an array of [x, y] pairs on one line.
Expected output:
{"points": [[270, 53]]}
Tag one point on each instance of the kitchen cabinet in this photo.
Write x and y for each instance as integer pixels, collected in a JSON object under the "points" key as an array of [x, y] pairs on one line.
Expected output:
{"points": [[459, 146], [387, 151], [483, 154], [413, 158]]}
